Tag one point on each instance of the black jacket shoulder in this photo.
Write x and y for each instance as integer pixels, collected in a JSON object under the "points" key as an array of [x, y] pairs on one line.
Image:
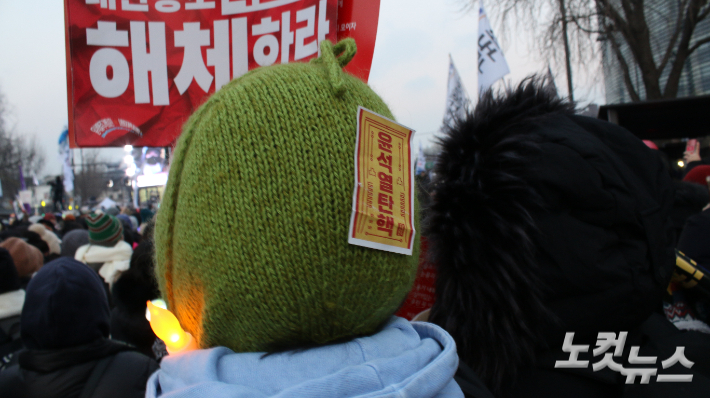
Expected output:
{"points": [[64, 374], [126, 376]]}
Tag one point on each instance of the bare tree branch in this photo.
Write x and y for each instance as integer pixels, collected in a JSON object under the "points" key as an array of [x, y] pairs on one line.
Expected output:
{"points": [[674, 37], [698, 44], [16, 150], [655, 54], [624, 69]]}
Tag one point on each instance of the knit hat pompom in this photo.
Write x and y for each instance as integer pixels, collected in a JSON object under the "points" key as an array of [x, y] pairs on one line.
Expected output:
{"points": [[104, 230], [251, 238]]}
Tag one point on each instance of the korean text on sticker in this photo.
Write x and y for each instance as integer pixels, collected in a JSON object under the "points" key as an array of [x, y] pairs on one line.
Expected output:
{"points": [[383, 198]]}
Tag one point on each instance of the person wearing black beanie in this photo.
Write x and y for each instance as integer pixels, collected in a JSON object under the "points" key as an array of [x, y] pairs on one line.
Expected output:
{"points": [[542, 223], [65, 328]]}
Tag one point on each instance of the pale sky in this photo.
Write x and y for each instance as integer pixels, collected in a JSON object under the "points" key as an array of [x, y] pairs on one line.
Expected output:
{"points": [[409, 70]]}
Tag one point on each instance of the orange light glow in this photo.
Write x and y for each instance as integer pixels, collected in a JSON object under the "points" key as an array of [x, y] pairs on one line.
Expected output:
{"points": [[166, 326]]}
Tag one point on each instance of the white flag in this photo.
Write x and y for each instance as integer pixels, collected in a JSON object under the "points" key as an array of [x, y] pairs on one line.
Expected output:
{"points": [[550, 83], [65, 154], [491, 62], [456, 98]]}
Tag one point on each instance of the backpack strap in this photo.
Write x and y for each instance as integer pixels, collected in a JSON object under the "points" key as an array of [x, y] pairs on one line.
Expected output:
{"points": [[93, 381]]}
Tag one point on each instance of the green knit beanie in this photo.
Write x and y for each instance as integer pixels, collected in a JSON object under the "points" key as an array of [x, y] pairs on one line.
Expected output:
{"points": [[104, 230], [251, 238]]}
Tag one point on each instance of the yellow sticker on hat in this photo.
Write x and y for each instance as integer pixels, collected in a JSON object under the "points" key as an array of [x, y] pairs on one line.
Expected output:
{"points": [[383, 198]]}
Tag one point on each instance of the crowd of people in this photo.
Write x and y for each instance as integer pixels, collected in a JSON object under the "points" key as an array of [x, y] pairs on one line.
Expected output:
{"points": [[540, 223], [73, 299]]}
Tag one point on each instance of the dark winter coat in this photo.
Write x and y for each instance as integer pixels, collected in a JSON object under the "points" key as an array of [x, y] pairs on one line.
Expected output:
{"points": [[105, 368], [695, 239], [543, 222], [128, 322], [689, 200]]}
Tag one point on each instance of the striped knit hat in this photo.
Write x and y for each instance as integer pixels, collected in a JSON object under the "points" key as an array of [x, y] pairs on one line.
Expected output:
{"points": [[104, 230], [251, 238]]}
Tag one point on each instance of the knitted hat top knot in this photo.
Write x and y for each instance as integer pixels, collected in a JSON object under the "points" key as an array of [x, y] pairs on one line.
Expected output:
{"points": [[104, 230], [346, 49], [251, 238]]}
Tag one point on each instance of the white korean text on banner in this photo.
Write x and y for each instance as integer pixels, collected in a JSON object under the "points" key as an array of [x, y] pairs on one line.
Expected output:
{"points": [[137, 69]]}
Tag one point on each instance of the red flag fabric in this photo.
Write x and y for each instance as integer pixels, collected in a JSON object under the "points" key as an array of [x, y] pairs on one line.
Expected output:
{"points": [[422, 295]]}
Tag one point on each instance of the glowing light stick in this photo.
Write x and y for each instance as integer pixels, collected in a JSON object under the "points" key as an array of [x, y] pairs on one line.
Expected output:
{"points": [[166, 326]]}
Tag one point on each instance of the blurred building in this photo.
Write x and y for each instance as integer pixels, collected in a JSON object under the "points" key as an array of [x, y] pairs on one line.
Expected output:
{"points": [[661, 16]]}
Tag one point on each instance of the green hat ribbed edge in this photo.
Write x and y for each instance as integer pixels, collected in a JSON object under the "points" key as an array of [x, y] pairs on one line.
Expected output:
{"points": [[251, 236]]}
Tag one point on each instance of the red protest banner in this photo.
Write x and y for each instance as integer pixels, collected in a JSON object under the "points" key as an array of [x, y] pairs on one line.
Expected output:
{"points": [[137, 69], [360, 23]]}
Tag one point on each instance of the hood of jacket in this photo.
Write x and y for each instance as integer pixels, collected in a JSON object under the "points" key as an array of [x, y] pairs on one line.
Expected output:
{"points": [[403, 359], [65, 306]]}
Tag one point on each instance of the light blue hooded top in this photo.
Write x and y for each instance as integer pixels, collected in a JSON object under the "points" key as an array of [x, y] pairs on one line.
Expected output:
{"points": [[403, 360]]}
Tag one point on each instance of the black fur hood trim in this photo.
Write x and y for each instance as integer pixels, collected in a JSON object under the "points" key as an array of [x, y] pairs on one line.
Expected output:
{"points": [[481, 232]]}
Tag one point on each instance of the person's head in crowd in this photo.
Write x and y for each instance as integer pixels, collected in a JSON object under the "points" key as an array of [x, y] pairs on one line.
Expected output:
{"points": [[230, 238], [104, 230], [130, 214], [73, 240], [142, 261], [69, 226], [9, 278], [27, 258], [125, 221], [129, 295], [51, 219], [543, 222], [66, 306], [699, 175], [49, 237], [34, 239], [147, 230], [46, 223], [307, 286], [69, 217], [82, 221], [113, 210], [127, 228]]}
